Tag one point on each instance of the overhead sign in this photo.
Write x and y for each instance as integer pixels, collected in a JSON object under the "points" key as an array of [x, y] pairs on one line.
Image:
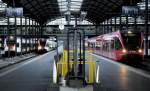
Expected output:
{"points": [[14, 12], [130, 10]]}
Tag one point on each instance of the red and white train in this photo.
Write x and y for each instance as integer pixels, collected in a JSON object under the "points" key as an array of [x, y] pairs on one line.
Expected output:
{"points": [[119, 46]]}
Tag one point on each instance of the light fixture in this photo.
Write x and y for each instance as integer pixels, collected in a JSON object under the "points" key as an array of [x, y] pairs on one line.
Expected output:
{"points": [[129, 32], [61, 27]]}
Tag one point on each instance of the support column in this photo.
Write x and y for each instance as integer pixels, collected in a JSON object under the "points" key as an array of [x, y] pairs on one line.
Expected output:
{"points": [[135, 25], [96, 30], [36, 35], [15, 36], [115, 28], [8, 34], [107, 31], [75, 50], [146, 28], [127, 22], [32, 36], [29, 35], [26, 46], [120, 23], [21, 34], [111, 25], [104, 27]]}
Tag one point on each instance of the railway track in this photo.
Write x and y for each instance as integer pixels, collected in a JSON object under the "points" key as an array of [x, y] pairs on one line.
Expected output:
{"points": [[144, 66]]}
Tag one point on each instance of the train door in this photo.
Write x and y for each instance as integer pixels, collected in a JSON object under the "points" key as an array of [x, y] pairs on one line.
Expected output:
{"points": [[98, 47], [112, 47], [109, 48], [117, 48]]}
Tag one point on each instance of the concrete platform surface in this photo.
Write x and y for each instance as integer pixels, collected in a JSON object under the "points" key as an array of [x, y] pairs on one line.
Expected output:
{"points": [[4, 62], [116, 76]]}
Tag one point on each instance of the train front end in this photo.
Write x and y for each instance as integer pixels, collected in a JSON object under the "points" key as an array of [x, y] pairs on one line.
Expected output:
{"points": [[133, 46]]}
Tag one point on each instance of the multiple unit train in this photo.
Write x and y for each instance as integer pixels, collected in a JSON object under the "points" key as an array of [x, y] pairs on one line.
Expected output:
{"points": [[15, 45], [45, 45], [119, 46]]}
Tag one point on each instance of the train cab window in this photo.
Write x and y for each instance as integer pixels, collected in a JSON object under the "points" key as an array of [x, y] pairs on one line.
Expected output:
{"points": [[132, 41], [10, 42], [117, 44]]}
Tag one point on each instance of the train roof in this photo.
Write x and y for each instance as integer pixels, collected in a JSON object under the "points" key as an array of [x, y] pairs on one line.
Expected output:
{"points": [[108, 36]]}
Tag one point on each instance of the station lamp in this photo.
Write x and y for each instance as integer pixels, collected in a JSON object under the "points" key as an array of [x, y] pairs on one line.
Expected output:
{"points": [[129, 32], [61, 27]]}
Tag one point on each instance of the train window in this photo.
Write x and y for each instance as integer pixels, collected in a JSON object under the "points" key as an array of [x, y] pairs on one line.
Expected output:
{"points": [[10, 42], [105, 46], [112, 45], [132, 42], [97, 45], [117, 44]]}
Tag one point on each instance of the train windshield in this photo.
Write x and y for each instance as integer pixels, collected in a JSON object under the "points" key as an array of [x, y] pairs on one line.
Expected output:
{"points": [[42, 42], [10, 41], [132, 41]]}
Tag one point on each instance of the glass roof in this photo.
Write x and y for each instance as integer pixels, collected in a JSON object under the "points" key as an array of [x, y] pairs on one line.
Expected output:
{"points": [[71, 5], [142, 5], [18, 21], [62, 21]]}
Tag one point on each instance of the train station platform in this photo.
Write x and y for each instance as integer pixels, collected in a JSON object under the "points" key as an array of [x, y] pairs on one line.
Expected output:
{"points": [[116, 76], [36, 75], [5, 62]]}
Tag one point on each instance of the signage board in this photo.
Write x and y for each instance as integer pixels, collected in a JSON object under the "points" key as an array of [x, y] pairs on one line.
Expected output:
{"points": [[14, 12], [130, 10]]}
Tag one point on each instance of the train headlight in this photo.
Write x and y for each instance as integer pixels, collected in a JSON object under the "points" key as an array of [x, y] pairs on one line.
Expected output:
{"points": [[39, 47], [124, 50], [14, 47], [140, 50], [11, 37]]}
